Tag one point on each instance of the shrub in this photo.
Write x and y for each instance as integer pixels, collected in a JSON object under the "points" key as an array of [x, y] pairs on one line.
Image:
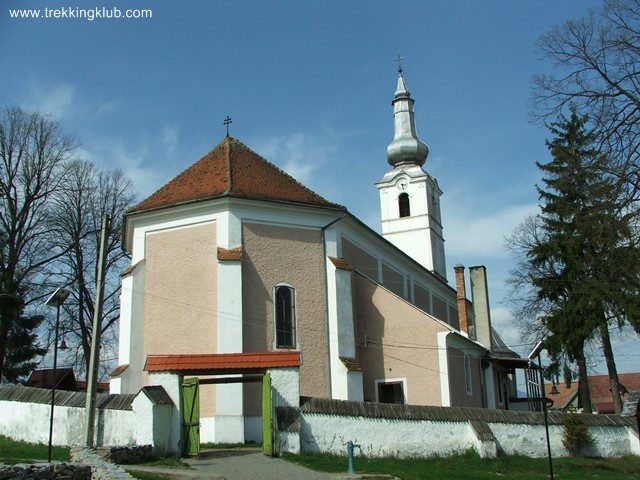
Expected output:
{"points": [[576, 434]]}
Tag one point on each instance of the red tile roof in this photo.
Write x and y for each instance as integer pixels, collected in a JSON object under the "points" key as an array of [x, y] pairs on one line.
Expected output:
{"points": [[599, 390], [563, 398], [43, 378], [232, 254], [341, 263], [599, 386], [232, 169], [118, 370], [218, 363]]}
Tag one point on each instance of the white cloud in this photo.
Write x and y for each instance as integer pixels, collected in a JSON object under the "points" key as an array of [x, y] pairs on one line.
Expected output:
{"points": [[144, 163], [299, 154], [479, 228], [56, 100], [502, 322], [169, 138]]}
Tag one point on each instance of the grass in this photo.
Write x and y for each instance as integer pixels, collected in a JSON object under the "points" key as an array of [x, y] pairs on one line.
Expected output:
{"points": [[467, 466], [471, 466], [13, 452]]}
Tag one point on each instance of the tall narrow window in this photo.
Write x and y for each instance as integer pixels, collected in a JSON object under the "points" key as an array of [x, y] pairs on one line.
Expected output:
{"points": [[467, 375], [285, 317], [403, 204]]}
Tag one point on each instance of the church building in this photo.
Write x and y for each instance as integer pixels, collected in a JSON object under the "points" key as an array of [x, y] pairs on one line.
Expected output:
{"points": [[234, 256]]}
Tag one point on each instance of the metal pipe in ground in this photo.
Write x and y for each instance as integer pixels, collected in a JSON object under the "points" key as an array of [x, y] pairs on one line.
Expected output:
{"points": [[350, 447]]}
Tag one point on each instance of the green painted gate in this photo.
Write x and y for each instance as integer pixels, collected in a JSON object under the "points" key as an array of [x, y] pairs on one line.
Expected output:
{"points": [[190, 417], [267, 416]]}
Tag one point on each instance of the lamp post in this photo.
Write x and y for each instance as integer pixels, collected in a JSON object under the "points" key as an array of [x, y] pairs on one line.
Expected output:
{"points": [[55, 300], [536, 353]]}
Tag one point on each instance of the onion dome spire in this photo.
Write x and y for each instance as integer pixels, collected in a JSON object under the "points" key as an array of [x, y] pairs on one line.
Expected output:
{"points": [[406, 148]]}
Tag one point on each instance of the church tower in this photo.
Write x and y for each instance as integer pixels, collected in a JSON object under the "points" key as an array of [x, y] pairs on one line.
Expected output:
{"points": [[410, 197]]}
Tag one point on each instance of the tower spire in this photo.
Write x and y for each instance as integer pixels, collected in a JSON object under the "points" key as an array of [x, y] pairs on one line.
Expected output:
{"points": [[409, 196], [406, 148]]}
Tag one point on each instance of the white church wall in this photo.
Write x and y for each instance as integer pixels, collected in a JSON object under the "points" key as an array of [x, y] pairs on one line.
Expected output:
{"points": [[131, 332]]}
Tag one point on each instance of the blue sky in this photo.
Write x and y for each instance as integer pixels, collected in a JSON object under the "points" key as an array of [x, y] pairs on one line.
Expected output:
{"points": [[309, 86]]}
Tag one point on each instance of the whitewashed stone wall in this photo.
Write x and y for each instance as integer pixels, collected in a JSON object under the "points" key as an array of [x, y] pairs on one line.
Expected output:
{"points": [[285, 387], [29, 422], [383, 437], [404, 431], [146, 423]]}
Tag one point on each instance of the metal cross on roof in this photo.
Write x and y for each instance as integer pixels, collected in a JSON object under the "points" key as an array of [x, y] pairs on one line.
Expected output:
{"points": [[226, 122], [399, 60]]}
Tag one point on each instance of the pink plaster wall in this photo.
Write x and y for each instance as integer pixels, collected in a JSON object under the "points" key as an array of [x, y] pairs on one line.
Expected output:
{"points": [[401, 340], [457, 384], [273, 255], [180, 295], [180, 301]]}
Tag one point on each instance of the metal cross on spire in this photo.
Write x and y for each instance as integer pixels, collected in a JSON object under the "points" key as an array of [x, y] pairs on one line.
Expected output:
{"points": [[399, 60], [226, 122]]}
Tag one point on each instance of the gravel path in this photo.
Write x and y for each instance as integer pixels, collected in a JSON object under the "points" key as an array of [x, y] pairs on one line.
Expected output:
{"points": [[251, 464], [237, 464]]}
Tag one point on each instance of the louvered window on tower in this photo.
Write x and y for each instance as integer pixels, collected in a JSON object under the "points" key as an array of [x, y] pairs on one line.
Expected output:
{"points": [[403, 204], [285, 317]]}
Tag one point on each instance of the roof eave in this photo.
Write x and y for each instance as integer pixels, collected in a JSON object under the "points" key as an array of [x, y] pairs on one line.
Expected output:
{"points": [[127, 234]]}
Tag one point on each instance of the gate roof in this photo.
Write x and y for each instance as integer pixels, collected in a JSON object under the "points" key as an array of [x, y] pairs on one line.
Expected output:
{"points": [[221, 363]]}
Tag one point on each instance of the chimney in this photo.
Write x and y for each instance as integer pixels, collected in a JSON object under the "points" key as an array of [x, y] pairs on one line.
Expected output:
{"points": [[480, 298], [462, 298]]}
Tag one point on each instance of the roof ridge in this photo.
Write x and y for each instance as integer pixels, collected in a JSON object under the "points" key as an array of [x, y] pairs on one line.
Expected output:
{"points": [[232, 169], [176, 177], [250, 150], [228, 144]]}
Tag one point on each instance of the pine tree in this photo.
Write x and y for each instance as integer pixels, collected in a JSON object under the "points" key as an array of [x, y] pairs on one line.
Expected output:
{"points": [[587, 250], [22, 349]]}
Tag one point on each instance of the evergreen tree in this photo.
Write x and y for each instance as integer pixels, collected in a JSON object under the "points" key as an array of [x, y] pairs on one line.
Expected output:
{"points": [[586, 257], [22, 349]]}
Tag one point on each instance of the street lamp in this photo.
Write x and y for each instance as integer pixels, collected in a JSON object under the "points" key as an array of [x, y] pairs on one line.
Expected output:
{"points": [[55, 300], [536, 353]]}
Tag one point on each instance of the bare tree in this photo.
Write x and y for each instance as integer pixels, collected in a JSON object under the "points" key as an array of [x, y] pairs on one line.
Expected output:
{"points": [[597, 60], [32, 152], [86, 193]]}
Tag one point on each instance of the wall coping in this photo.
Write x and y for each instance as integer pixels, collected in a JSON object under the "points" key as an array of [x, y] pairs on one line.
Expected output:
{"points": [[391, 411]]}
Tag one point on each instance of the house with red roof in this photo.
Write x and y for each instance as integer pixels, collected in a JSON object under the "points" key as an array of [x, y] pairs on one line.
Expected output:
{"points": [[563, 397], [234, 257]]}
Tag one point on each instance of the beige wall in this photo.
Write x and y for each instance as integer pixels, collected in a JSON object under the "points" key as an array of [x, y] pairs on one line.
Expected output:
{"points": [[396, 330], [180, 305], [180, 295], [457, 383], [273, 255]]}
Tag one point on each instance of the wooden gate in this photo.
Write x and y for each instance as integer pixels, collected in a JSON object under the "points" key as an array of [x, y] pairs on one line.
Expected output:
{"points": [[267, 416], [190, 417]]}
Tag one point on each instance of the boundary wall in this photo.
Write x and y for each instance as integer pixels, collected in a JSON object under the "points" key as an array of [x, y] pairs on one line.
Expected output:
{"points": [[385, 430], [315, 425], [141, 419]]}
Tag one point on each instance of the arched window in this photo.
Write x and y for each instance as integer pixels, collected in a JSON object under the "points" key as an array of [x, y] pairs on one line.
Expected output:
{"points": [[285, 315], [403, 204]]}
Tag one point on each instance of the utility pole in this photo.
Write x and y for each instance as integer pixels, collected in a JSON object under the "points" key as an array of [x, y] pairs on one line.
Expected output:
{"points": [[92, 380]]}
